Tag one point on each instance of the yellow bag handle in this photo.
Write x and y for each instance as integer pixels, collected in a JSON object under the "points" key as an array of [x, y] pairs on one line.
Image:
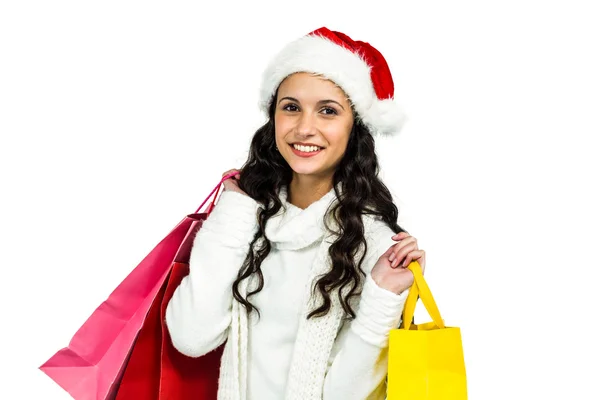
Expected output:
{"points": [[420, 289]]}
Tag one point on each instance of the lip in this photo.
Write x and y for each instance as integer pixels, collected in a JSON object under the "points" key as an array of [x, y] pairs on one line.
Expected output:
{"points": [[304, 154], [306, 144]]}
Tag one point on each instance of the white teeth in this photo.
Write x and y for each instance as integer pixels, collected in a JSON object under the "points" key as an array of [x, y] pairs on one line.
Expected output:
{"points": [[306, 149]]}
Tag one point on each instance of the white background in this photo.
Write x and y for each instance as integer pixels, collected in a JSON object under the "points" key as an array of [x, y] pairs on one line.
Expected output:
{"points": [[118, 117]]}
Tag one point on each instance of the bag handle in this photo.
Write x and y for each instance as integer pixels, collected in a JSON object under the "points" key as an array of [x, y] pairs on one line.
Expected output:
{"points": [[216, 193], [420, 289]]}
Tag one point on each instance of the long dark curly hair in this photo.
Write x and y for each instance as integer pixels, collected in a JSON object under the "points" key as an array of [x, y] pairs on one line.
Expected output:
{"points": [[266, 171]]}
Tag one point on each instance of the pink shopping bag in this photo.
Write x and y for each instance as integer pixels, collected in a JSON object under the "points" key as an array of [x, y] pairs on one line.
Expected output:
{"points": [[92, 365]]}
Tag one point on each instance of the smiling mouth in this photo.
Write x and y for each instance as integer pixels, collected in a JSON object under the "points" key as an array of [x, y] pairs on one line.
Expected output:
{"points": [[306, 149]]}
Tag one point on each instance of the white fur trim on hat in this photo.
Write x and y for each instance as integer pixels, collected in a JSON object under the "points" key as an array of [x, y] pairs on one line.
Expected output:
{"points": [[347, 69]]}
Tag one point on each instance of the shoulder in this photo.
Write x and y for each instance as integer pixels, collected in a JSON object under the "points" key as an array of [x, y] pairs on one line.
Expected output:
{"points": [[378, 236], [377, 230]]}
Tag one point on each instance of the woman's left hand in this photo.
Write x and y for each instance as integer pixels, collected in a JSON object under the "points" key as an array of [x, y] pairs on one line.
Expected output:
{"points": [[390, 271]]}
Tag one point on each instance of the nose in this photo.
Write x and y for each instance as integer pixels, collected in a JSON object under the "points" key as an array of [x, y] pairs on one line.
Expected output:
{"points": [[306, 125]]}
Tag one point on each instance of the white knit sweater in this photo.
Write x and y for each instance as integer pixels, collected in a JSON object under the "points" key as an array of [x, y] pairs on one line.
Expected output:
{"points": [[282, 355]]}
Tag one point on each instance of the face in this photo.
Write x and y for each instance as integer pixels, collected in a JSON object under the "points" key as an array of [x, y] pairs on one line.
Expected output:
{"points": [[313, 121]]}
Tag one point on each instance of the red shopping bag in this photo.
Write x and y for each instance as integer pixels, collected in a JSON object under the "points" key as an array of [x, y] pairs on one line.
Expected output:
{"points": [[92, 365], [182, 377], [158, 371]]}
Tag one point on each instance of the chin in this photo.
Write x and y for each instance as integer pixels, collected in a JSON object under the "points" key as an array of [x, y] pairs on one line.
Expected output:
{"points": [[317, 166], [304, 169]]}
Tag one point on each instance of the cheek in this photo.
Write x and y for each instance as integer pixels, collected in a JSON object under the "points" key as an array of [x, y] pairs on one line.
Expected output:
{"points": [[338, 138], [282, 126], [278, 130]]}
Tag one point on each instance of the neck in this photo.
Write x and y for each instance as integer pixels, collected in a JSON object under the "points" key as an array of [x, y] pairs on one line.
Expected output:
{"points": [[306, 189]]}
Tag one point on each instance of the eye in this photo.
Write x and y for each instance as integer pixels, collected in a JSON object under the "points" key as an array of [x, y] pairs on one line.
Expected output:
{"points": [[329, 111], [290, 107]]}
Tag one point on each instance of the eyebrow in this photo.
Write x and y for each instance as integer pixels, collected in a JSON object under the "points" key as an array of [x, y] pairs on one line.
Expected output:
{"points": [[320, 102]]}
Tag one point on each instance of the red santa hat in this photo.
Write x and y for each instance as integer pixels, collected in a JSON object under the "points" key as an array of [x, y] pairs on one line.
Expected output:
{"points": [[357, 67]]}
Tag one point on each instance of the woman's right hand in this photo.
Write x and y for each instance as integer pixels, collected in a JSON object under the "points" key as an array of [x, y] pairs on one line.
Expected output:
{"points": [[232, 183]]}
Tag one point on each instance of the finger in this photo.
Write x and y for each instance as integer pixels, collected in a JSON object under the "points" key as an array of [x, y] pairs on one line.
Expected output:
{"points": [[407, 240], [400, 235], [404, 249], [389, 252], [407, 244], [404, 239], [417, 256], [230, 172]]}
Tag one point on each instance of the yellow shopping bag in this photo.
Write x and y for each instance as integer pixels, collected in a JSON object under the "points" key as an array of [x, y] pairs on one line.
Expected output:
{"points": [[426, 361]]}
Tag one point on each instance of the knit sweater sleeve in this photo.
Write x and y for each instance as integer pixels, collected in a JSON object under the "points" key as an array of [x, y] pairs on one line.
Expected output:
{"points": [[198, 316], [359, 358]]}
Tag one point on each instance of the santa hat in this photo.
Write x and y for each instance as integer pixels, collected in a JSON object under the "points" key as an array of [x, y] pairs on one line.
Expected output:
{"points": [[357, 67]]}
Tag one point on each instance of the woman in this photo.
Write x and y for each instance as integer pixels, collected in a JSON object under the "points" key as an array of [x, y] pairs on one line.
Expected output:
{"points": [[299, 268]]}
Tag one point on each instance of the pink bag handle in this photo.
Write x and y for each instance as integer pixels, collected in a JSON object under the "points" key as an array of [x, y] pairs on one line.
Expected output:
{"points": [[216, 192]]}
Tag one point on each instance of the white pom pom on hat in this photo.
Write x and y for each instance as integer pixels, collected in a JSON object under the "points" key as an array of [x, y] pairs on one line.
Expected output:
{"points": [[357, 67]]}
